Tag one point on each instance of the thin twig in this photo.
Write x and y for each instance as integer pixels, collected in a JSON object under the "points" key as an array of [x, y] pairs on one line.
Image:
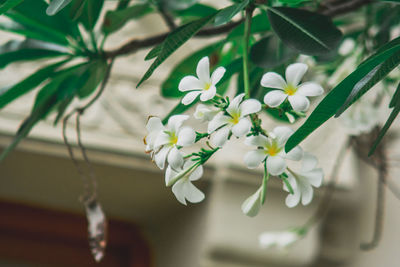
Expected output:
{"points": [[169, 20], [342, 8]]}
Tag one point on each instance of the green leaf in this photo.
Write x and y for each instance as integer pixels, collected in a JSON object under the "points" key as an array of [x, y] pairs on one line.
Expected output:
{"points": [[95, 74], [7, 5], [260, 23], [55, 6], [226, 14], [176, 4], [154, 52], [91, 12], [76, 9], [7, 95], [169, 88], [115, 19], [390, 1], [269, 52], [394, 103], [29, 49], [175, 40], [387, 60], [197, 10], [305, 31]]}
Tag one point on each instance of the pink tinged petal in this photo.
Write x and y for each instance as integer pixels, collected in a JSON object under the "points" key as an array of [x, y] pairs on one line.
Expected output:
{"points": [[242, 127], [276, 165], [220, 137], [254, 158], [295, 154], [282, 134], [306, 193], [299, 102], [175, 158], [203, 70], [161, 156], [175, 122], [273, 80], [186, 137], [190, 83], [314, 177], [162, 139], [310, 89], [196, 174], [258, 141], [274, 98], [154, 124], [295, 72], [179, 191], [252, 205], [208, 94], [190, 97], [249, 106], [234, 105], [192, 193], [217, 75], [309, 162], [217, 122]]}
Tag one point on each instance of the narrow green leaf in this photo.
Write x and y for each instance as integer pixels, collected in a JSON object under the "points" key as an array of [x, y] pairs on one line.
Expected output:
{"points": [[95, 74], [7, 95], [91, 12], [175, 40], [226, 14], [176, 4], [154, 52], [305, 31], [197, 10], [388, 60], [259, 23], [55, 6], [76, 10], [9, 4]]}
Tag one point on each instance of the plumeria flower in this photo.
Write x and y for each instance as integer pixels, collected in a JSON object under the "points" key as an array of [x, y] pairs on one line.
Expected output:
{"points": [[204, 113], [279, 239], [170, 139], [236, 121], [272, 149], [252, 205], [204, 85], [290, 89], [154, 126], [182, 179], [303, 181]]}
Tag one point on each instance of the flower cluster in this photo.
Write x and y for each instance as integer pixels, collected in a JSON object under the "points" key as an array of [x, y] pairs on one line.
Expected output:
{"points": [[236, 118]]}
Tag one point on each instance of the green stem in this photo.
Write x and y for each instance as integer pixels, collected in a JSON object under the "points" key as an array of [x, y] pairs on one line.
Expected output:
{"points": [[94, 43], [247, 25]]}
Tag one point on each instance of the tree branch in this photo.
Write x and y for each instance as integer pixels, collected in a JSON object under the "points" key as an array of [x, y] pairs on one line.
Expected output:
{"points": [[334, 8]]}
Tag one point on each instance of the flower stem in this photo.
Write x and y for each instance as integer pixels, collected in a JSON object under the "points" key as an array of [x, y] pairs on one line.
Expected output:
{"points": [[246, 37]]}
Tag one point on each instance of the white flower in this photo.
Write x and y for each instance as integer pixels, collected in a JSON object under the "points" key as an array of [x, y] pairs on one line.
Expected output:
{"points": [[303, 181], [273, 149], [170, 138], [154, 127], [204, 85], [204, 113], [295, 93], [347, 47], [236, 121], [278, 239], [252, 205], [361, 117], [182, 178]]}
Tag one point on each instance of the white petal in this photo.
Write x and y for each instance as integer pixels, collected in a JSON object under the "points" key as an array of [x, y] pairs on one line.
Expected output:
{"points": [[196, 174], [233, 107], [175, 122], [190, 83], [175, 158], [217, 122], [252, 205], [293, 199], [267, 239], [299, 102], [282, 134], [295, 72], [179, 191], [276, 165], [310, 89], [309, 162], [154, 124], [190, 97], [273, 80], [259, 140], [203, 70], [286, 239], [217, 75], [249, 106], [192, 193], [208, 94], [306, 194], [169, 174], [254, 158], [295, 154], [220, 137], [274, 98], [186, 137], [242, 127], [161, 156], [314, 177], [162, 139]]}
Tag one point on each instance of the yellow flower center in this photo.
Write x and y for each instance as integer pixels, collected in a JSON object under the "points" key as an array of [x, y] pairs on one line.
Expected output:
{"points": [[173, 138], [290, 89], [234, 118], [207, 86], [273, 149]]}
